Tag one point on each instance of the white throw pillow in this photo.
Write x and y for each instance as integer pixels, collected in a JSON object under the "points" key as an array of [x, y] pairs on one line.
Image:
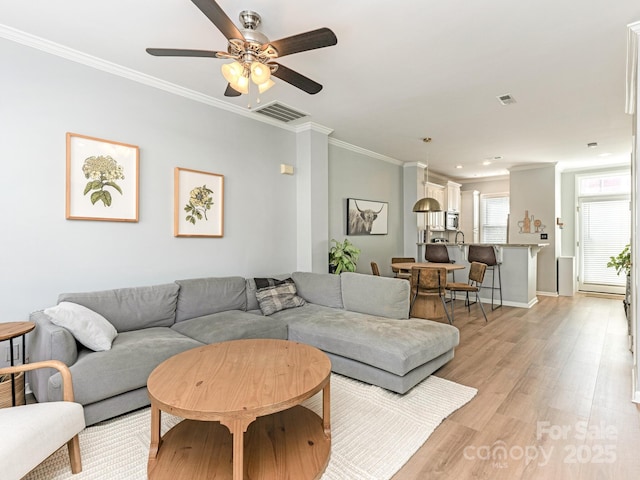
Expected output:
{"points": [[88, 327]]}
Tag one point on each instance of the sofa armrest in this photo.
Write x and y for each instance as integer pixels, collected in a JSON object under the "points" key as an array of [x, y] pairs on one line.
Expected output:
{"points": [[48, 342]]}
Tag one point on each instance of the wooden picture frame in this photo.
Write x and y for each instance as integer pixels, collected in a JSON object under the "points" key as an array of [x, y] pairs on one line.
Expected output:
{"points": [[198, 203], [367, 217], [102, 179]]}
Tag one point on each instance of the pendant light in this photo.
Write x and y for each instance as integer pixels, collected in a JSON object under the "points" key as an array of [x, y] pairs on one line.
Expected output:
{"points": [[427, 204]]}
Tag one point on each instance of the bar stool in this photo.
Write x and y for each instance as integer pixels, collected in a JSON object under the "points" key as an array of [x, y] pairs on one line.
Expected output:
{"points": [[487, 254], [438, 253]]}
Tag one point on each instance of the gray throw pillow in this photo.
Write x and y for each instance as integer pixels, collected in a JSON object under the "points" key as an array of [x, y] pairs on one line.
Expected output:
{"points": [[278, 297]]}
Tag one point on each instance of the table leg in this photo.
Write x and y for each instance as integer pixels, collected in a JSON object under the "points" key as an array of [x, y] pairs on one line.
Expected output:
{"points": [[13, 376], [326, 409], [237, 427], [155, 432]]}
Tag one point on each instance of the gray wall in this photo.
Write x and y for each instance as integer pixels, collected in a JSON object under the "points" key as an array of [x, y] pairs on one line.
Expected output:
{"points": [[354, 175], [533, 190], [43, 254]]}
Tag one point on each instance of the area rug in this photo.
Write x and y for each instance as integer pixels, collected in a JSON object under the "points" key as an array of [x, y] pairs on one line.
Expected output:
{"points": [[374, 433]]}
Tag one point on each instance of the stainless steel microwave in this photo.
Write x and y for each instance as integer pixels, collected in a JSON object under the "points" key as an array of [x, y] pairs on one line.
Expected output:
{"points": [[451, 220]]}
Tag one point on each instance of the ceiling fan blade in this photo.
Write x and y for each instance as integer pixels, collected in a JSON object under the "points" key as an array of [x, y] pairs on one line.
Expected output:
{"points": [[220, 19], [230, 92], [178, 52], [297, 80], [322, 37]]}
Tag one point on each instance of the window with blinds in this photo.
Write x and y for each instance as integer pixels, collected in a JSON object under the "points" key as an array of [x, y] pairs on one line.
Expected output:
{"points": [[605, 227], [494, 214], [605, 232]]}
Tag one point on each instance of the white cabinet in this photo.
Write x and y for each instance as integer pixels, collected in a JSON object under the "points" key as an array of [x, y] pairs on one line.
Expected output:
{"points": [[453, 197], [436, 191], [435, 220], [469, 222]]}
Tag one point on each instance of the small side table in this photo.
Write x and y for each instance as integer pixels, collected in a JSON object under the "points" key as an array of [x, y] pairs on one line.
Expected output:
{"points": [[9, 331]]}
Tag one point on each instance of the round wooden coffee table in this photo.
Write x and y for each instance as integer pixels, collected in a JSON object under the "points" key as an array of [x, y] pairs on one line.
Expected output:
{"points": [[254, 388]]}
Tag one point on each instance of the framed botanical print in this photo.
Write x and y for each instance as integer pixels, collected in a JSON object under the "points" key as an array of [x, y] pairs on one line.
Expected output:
{"points": [[198, 203], [102, 179]]}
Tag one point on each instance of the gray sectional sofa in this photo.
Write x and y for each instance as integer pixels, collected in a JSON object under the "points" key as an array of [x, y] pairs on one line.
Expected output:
{"points": [[360, 321]]}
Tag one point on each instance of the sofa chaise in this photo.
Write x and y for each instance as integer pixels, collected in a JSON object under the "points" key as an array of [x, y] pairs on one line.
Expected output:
{"points": [[360, 321]]}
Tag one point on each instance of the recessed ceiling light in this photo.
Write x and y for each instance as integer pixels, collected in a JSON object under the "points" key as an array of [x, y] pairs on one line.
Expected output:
{"points": [[458, 166], [592, 145], [486, 162], [605, 154], [497, 158]]}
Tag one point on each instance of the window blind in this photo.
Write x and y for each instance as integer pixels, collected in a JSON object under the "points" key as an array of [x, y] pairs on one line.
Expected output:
{"points": [[605, 232], [494, 216]]}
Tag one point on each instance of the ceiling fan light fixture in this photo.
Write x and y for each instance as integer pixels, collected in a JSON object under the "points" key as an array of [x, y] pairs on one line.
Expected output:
{"points": [[263, 87], [232, 72], [241, 84], [260, 73]]}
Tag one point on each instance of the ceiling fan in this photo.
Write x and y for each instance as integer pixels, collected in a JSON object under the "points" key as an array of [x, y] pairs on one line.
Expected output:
{"points": [[253, 53]]}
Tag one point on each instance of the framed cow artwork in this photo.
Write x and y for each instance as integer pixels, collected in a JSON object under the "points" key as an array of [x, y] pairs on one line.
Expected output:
{"points": [[366, 217]]}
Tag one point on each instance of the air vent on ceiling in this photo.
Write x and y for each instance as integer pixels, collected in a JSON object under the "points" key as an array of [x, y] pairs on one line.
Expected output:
{"points": [[506, 99], [280, 111]]}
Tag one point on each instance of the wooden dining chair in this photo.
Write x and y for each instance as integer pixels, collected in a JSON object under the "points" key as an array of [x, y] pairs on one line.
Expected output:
{"points": [[374, 269], [402, 273], [429, 282], [476, 277]]}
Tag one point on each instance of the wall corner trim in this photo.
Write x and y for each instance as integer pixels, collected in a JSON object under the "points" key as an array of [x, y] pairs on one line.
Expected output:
{"points": [[364, 151], [316, 127]]}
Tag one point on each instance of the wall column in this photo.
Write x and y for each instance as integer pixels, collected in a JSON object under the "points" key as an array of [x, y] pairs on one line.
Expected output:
{"points": [[312, 197]]}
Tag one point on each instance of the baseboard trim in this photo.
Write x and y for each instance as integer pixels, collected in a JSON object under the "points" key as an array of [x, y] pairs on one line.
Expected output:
{"points": [[508, 303]]}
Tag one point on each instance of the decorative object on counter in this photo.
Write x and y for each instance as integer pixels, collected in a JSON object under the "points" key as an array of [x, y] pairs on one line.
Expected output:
{"points": [[366, 217], [102, 179], [198, 204], [526, 223], [343, 257], [487, 254]]}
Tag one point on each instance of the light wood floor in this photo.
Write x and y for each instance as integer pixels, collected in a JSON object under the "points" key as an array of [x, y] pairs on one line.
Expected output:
{"points": [[553, 402]]}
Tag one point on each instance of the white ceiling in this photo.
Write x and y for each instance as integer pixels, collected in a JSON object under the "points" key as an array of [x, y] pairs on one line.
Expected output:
{"points": [[401, 71]]}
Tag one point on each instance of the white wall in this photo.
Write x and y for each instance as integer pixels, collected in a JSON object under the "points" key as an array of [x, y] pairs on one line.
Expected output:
{"points": [[42, 254], [354, 175]]}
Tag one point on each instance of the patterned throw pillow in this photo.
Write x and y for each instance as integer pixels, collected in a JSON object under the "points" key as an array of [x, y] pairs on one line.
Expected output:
{"points": [[280, 296]]}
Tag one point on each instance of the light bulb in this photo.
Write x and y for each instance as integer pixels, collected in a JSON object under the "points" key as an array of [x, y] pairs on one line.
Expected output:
{"points": [[241, 84], [263, 87], [260, 73], [231, 71]]}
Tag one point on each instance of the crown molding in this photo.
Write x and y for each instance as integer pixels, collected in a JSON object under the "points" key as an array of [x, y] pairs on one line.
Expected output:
{"points": [[364, 151], [415, 164], [316, 127], [62, 51]]}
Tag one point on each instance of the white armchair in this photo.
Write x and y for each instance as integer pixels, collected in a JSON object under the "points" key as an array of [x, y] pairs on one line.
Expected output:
{"points": [[30, 433]]}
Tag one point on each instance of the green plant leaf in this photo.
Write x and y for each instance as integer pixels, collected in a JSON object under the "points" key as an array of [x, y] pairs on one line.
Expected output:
{"points": [[87, 189], [106, 198], [114, 185], [95, 196]]}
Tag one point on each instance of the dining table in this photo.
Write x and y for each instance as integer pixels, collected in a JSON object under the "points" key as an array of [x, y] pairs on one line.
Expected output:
{"points": [[427, 306]]}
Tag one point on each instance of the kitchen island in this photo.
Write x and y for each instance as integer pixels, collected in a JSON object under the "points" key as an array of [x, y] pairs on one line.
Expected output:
{"points": [[518, 269]]}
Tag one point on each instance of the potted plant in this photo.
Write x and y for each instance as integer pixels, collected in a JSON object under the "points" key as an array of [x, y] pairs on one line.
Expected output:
{"points": [[343, 257], [622, 262]]}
